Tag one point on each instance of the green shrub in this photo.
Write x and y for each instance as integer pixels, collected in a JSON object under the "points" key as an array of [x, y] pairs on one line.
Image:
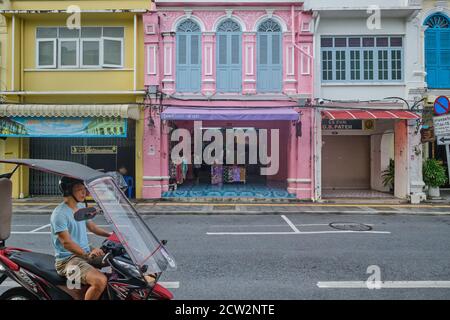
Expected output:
{"points": [[434, 173], [388, 175]]}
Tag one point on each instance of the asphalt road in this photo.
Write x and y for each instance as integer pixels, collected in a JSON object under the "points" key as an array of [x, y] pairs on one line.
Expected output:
{"points": [[296, 256]]}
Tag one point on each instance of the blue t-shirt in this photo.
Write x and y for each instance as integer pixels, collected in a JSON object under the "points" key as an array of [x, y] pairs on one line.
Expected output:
{"points": [[62, 220]]}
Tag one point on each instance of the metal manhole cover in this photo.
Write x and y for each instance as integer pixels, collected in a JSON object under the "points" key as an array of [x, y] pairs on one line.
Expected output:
{"points": [[350, 226], [224, 208]]}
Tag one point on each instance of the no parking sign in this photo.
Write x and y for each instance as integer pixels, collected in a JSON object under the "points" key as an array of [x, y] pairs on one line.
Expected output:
{"points": [[441, 105]]}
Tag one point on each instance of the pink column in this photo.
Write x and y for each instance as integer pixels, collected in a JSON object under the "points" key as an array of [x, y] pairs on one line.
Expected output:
{"points": [[304, 157], [292, 158], [208, 63], [168, 68], [154, 157], [304, 41], [249, 63], [151, 50]]}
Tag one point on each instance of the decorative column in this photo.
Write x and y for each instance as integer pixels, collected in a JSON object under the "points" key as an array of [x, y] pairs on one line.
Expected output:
{"points": [[249, 63], [209, 63], [289, 65], [154, 156], [304, 41], [401, 159], [168, 54], [292, 158], [416, 183], [151, 52], [304, 179]]}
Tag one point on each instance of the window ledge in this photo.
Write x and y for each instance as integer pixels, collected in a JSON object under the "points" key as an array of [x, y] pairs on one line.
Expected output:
{"points": [[77, 70], [362, 84]]}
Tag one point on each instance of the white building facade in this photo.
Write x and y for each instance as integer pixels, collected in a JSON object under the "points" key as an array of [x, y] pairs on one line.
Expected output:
{"points": [[369, 79]]}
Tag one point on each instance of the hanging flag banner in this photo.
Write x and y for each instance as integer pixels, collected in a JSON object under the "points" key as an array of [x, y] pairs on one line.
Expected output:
{"points": [[62, 127]]}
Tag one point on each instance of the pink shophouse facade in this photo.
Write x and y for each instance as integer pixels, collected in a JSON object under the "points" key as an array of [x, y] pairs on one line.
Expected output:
{"points": [[246, 64]]}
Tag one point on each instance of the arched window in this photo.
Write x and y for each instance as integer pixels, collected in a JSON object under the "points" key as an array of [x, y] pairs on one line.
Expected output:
{"points": [[437, 51], [188, 46], [229, 57], [269, 53]]}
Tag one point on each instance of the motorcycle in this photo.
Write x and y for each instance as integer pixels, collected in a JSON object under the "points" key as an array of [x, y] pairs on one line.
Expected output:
{"points": [[134, 257]]}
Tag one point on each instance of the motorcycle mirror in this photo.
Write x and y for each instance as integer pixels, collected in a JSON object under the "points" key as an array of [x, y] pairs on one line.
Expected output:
{"points": [[85, 214]]}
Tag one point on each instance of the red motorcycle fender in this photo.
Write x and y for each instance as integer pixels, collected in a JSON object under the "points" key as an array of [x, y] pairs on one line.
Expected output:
{"points": [[162, 293], [5, 260]]}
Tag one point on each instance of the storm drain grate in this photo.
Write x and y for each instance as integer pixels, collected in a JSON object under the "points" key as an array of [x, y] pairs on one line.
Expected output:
{"points": [[228, 208], [350, 226]]}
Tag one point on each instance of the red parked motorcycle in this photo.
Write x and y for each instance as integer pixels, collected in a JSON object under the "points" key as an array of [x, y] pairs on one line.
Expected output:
{"points": [[133, 254]]}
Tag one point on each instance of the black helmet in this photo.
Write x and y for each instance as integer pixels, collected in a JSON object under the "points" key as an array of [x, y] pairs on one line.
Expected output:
{"points": [[66, 185]]}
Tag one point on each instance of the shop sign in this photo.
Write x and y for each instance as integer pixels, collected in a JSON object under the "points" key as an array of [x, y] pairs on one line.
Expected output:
{"points": [[93, 149], [62, 127], [427, 135], [328, 124], [442, 125]]}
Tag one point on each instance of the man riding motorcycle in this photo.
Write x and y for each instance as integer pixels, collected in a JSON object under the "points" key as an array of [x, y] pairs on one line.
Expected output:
{"points": [[70, 240]]}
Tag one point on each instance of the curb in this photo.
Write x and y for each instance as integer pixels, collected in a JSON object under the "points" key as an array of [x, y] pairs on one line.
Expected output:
{"points": [[255, 213]]}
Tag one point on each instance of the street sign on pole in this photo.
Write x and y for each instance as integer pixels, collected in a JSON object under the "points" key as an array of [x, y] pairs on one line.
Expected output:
{"points": [[442, 125], [442, 141], [441, 105], [447, 149]]}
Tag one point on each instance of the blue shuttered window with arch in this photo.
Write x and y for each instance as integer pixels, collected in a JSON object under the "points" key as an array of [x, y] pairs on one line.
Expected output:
{"points": [[269, 57], [188, 61], [437, 51], [229, 57]]}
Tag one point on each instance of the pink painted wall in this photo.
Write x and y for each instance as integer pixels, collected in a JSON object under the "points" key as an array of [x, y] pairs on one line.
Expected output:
{"points": [[160, 47], [160, 69]]}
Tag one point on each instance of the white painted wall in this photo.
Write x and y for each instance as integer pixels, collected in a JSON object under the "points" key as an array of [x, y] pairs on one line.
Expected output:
{"points": [[355, 4], [413, 66]]}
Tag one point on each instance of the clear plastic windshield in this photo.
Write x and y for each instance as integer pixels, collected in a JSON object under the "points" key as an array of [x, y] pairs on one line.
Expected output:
{"points": [[137, 238]]}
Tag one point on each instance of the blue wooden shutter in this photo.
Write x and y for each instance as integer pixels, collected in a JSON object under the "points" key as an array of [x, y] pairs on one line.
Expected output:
{"points": [[437, 51], [444, 63], [229, 57], [269, 62], [188, 73]]}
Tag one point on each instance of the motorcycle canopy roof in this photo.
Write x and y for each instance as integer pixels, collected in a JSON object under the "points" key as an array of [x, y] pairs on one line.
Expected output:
{"points": [[62, 168], [143, 247]]}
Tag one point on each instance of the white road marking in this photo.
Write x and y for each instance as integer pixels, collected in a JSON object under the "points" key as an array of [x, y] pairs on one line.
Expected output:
{"points": [[165, 284], [40, 228], [384, 284], [274, 225], [37, 232], [289, 222], [291, 233], [170, 284]]}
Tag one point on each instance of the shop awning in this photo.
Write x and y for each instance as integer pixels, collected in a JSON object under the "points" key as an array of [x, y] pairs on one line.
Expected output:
{"points": [[72, 110], [368, 114], [236, 114]]}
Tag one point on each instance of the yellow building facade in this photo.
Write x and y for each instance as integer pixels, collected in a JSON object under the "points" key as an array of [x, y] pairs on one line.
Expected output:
{"points": [[67, 64]]}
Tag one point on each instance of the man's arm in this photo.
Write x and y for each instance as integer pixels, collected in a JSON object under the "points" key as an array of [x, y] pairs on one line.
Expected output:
{"points": [[92, 227], [70, 245]]}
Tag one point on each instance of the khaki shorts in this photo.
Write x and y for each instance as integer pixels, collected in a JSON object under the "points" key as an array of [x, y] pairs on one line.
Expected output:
{"points": [[63, 267]]}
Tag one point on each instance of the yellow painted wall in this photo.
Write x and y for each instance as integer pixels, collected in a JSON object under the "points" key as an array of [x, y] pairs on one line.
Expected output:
{"points": [[17, 148], [83, 4], [3, 45], [29, 78]]}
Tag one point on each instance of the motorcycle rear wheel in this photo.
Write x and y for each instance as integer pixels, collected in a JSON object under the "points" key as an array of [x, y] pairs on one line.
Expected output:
{"points": [[17, 294]]}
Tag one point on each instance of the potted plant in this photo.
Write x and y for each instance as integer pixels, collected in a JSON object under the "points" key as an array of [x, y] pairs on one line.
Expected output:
{"points": [[388, 175], [434, 176]]}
